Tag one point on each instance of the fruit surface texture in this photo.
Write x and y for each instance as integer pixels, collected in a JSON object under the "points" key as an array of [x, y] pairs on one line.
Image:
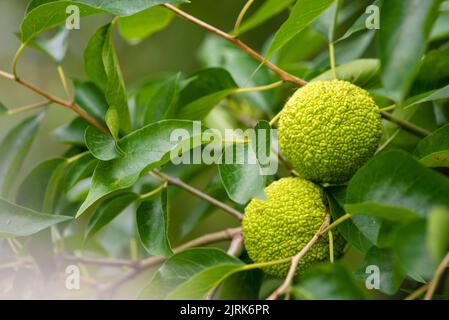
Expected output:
{"points": [[281, 225], [329, 129]]}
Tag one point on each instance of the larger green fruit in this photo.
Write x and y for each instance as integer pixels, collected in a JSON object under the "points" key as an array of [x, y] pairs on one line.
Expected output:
{"points": [[282, 225], [329, 129]]}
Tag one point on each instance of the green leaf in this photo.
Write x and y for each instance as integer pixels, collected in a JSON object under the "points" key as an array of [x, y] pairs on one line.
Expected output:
{"points": [[442, 93], [390, 271], [433, 150], [44, 15], [102, 66], [241, 174], [54, 47], [438, 233], [360, 23], [383, 211], [33, 189], [267, 10], [364, 73], [157, 100], [71, 133], [152, 225], [405, 28], [303, 13], [242, 286], [247, 72], [200, 284], [102, 146], [126, 8], [17, 221], [14, 149], [50, 15], [182, 267], [141, 25], [80, 169], [336, 198], [144, 149], [204, 90], [413, 252], [394, 182], [327, 282], [395, 179], [90, 98], [108, 211]]}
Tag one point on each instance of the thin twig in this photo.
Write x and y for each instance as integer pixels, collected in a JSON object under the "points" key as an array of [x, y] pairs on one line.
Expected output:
{"points": [[436, 278], [178, 182], [295, 261], [68, 104], [417, 293], [210, 238], [242, 15], [284, 75], [406, 125], [29, 107]]}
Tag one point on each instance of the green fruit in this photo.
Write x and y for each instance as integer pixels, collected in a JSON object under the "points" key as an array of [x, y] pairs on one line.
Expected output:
{"points": [[282, 225], [329, 129]]}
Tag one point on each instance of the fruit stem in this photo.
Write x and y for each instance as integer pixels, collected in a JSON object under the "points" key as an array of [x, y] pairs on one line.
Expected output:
{"points": [[275, 119], [331, 246], [332, 60]]}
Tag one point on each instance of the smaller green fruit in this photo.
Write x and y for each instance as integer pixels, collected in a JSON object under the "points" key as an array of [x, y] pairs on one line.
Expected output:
{"points": [[282, 225]]}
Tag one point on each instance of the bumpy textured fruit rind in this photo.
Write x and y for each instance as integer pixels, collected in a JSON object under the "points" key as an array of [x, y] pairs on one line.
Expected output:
{"points": [[280, 226], [329, 129]]}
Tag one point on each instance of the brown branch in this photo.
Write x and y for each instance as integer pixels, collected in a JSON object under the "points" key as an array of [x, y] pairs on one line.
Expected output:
{"points": [[436, 278], [54, 99], [138, 267], [178, 182], [284, 75], [295, 261]]}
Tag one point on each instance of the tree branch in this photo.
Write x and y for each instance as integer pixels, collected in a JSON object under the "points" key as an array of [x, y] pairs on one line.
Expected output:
{"points": [[436, 278], [178, 182], [68, 104], [295, 260], [284, 75]]}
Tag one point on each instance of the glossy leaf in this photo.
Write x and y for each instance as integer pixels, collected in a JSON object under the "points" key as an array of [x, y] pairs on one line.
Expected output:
{"points": [[152, 225], [363, 73], [90, 98], [360, 23], [244, 285], [433, 150], [102, 146], [303, 13], [107, 212], [144, 149], [17, 221], [245, 71], [267, 10], [72, 132], [442, 93], [327, 282], [241, 174], [80, 169], [205, 89], [14, 149], [42, 17], [141, 25], [402, 41], [183, 266], [413, 251], [336, 198], [390, 271]]}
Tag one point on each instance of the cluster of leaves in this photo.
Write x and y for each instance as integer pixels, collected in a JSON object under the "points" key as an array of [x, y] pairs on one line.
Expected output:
{"points": [[399, 201]]}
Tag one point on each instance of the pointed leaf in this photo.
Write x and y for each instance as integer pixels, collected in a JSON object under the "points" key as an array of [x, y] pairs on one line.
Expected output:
{"points": [[102, 146]]}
